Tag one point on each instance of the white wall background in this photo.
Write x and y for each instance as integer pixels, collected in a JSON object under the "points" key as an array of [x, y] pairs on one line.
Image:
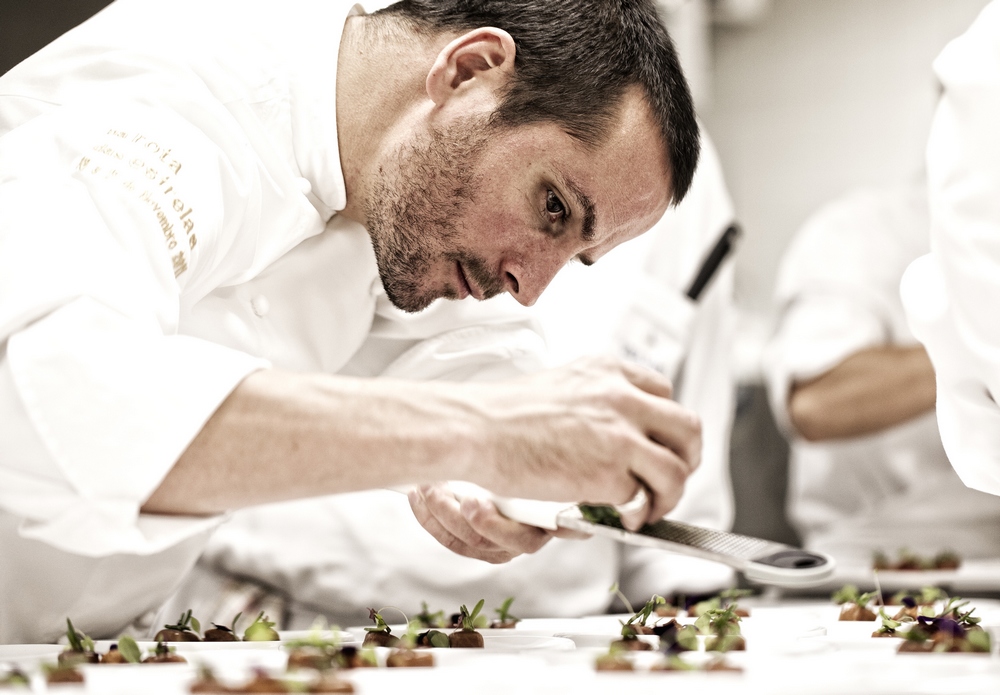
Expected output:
{"points": [[812, 99]]}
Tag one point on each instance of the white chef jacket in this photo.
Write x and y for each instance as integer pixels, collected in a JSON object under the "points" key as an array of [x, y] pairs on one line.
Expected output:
{"points": [[169, 178], [837, 292], [952, 295], [335, 556]]}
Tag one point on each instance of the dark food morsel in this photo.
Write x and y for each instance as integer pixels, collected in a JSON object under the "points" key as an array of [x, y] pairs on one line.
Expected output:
{"points": [[380, 635], [854, 604], [908, 561], [466, 636], [380, 639], [179, 632], [164, 655], [505, 620], [81, 648], [64, 674], [114, 656], [408, 658], [220, 633], [613, 662], [856, 613]]}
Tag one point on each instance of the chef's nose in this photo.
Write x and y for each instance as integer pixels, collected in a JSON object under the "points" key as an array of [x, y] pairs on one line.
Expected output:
{"points": [[525, 280]]}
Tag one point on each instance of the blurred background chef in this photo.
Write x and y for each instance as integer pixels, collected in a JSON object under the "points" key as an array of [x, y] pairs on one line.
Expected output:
{"points": [[855, 392], [333, 557], [952, 294]]}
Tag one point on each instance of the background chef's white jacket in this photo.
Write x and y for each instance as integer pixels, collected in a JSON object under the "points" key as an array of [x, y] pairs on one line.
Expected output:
{"points": [[838, 294], [169, 177], [952, 295]]}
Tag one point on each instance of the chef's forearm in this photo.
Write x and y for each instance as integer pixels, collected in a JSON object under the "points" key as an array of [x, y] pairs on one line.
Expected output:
{"points": [[869, 391], [282, 436]]}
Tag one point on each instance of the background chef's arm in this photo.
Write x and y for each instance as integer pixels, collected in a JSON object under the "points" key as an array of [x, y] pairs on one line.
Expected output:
{"points": [[871, 390], [842, 362]]}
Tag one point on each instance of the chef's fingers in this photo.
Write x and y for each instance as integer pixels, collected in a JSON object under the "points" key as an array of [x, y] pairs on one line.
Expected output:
{"points": [[663, 474], [676, 429], [648, 380], [484, 518], [635, 512], [438, 512]]}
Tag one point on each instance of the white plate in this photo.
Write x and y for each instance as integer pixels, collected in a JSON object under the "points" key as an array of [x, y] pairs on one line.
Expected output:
{"points": [[29, 654], [130, 679], [603, 641], [145, 646], [345, 638]]}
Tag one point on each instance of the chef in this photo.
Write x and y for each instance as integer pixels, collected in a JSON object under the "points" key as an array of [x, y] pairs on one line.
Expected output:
{"points": [[220, 219], [951, 295], [330, 558], [854, 391]]}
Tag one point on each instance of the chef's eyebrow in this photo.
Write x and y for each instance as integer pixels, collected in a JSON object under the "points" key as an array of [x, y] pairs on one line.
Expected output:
{"points": [[589, 218], [587, 205]]}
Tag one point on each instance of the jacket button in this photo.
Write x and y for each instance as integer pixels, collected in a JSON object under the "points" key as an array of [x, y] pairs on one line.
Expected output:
{"points": [[260, 305]]}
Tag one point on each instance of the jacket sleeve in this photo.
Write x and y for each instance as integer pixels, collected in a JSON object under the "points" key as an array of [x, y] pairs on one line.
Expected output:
{"points": [[114, 216], [952, 294]]}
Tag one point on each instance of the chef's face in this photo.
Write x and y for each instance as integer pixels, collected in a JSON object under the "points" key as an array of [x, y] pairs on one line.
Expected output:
{"points": [[480, 210]]}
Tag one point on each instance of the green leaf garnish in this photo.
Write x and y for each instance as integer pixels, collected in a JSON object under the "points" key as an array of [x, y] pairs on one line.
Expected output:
{"points": [[603, 514], [429, 619], [72, 636], [504, 611], [129, 649], [470, 621], [439, 639], [979, 640], [888, 624]]}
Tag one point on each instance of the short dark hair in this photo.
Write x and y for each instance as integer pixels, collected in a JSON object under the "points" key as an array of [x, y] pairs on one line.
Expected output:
{"points": [[575, 60]]}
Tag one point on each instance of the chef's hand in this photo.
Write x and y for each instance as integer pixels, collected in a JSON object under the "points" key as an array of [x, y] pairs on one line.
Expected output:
{"points": [[474, 527], [597, 431]]}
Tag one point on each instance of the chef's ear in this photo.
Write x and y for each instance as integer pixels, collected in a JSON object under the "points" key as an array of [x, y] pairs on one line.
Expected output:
{"points": [[482, 59]]}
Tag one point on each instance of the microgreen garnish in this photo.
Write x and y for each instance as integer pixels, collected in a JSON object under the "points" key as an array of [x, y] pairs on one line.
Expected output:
{"points": [[428, 619], [261, 630], [675, 637], [15, 677], [888, 624], [643, 615], [503, 612], [468, 619], [380, 624], [78, 641], [621, 597], [129, 649], [719, 622], [849, 594], [601, 514], [186, 622]]}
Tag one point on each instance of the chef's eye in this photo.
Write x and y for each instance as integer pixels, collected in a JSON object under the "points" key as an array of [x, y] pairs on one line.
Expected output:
{"points": [[554, 206]]}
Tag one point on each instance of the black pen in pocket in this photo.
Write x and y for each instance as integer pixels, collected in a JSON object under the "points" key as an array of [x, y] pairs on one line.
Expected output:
{"points": [[713, 261]]}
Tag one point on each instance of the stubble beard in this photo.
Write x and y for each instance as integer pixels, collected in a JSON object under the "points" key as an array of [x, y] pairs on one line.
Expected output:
{"points": [[413, 211]]}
